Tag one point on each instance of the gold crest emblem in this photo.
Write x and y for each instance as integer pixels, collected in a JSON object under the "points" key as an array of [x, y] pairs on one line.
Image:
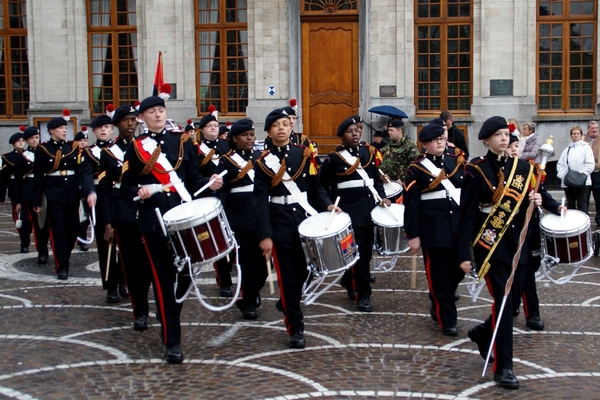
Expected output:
{"points": [[518, 182]]}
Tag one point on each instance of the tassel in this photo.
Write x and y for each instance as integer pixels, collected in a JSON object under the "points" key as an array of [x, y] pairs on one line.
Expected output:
{"points": [[378, 158]]}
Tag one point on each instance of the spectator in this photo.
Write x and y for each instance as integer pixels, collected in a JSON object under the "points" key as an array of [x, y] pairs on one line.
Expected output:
{"points": [[533, 142], [455, 135]]}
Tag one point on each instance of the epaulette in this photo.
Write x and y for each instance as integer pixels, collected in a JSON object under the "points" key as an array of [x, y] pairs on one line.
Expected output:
{"points": [[339, 148], [476, 161], [6, 160]]}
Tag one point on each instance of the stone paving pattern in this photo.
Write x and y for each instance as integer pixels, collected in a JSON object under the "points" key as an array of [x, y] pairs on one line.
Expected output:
{"points": [[61, 340]]}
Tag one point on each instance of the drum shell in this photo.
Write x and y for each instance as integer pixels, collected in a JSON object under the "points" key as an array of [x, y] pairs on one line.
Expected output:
{"points": [[330, 252], [390, 237], [571, 245], [203, 237]]}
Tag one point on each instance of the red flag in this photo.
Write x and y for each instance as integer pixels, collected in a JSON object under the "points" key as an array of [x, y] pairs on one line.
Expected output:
{"points": [[159, 79]]}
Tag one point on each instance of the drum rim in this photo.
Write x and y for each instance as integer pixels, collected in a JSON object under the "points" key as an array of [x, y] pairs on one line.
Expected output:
{"points": [[565, 232], [380, 209], [196, 218], [329, 233], [396, 191]]}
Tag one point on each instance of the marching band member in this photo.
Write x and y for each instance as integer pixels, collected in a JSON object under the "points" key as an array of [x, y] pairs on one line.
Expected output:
{"points": [[81, 138], [297, 138], [432, 198], [285, 191], [55, 172], [122, 217], [492, 215], [89, 178], [351, 172], [236, 195], [167, 158], [24, 176], [210, 149], [8, 180]]}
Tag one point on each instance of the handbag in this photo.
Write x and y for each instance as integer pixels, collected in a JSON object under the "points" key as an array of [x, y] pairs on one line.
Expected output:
{"points": [[574, 179]]}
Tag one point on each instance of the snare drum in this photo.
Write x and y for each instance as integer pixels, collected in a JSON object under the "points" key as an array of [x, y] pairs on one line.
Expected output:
{"points": [[199, 230], [389, 232], [392, 189], [330, 250], [568, 238]]}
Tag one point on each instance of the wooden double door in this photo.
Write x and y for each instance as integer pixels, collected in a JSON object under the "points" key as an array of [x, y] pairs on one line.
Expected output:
{"points": [[330, 78]]}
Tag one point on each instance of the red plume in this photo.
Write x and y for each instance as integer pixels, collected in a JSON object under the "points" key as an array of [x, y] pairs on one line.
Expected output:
{"points": [[66, 114], [293, 102], [189, 121], [228, 124], [512, 127], [22, 128], [165, 91], [84, 129], [110, 110], [136, 105], [212, 109]]}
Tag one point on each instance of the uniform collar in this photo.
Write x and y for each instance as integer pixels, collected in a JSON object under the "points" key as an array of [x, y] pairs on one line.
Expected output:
{"points": [[157, 135], [434, 157], [210, 143]]}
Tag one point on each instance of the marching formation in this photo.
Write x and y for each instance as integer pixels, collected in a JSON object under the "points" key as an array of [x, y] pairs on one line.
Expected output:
{"points": [[164, 202]]}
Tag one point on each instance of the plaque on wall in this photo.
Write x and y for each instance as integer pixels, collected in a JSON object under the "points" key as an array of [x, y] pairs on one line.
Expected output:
{"points": [[387, 91], [501, 87]]}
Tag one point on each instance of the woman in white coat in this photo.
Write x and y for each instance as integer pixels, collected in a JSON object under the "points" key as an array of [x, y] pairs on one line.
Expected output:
{"points": [[578, 156]]}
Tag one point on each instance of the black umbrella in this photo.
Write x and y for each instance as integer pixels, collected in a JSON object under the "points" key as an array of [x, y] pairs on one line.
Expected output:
{"points": [[390, 111]]}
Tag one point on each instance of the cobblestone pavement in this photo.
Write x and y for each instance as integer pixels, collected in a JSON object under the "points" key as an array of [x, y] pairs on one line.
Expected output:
{"points": [[59, 339]]}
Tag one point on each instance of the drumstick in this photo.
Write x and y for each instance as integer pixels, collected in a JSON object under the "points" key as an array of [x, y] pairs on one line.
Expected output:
{"points": [[270, 275], [332, 212], [387, 208], [203, 188], [154, 188], [413, 278], [382, 174], [108, 261], [562, 212]]}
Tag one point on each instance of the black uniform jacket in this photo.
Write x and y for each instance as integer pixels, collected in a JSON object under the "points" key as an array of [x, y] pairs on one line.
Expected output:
{"points": [[24, 175], [10, 163], [359, 201], [297, 138], [63, 188], [238, 206], [89, 168], [434, 221], [280, 221], [110, 169], [207, 166], [480, 181], [182, 156]]}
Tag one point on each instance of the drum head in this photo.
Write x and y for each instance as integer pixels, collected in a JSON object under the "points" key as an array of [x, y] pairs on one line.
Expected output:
{"points": [[573, 221], [383, 217], [392, 189], [190, 214], [314, 227]]}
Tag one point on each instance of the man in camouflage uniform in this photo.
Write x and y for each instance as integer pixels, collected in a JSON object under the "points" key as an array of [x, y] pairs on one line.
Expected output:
{"points": [[398, 154]]}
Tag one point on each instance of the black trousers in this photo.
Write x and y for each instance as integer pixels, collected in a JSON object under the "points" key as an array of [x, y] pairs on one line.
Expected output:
{"points": [[253, 266], [357, 277], [223, 270], [135, 265], [290, 264], [496, 279], [25, 229], [164, 275], [115, 274], [578, 198], [524, 287], [40, 235], [64, 224], [443, 277]]}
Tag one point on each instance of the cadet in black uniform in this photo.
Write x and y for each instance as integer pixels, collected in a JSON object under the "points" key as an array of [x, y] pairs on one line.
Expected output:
{"points": [[432, 200], [10, 165], [210, 149], [55, 176], [298, 138], [494, 202], [24, 176], [236, 195], [162, 157], [285, 192], [89, 177], [122, 217], [351, 172]]}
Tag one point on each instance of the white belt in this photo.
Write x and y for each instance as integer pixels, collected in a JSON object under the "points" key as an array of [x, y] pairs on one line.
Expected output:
{"points": [[29, 176], [355, 183], [290, 199], [62, 172], [243, 189], [96, 182], [441, 194], [117, 185], [486, 209]]}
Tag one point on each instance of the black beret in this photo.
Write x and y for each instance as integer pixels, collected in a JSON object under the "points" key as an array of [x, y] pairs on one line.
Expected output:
{"points": [[290, 110], [152, 101], [30, 131], [513, 138], [378, 133], [438, 121], [80, 135], [395, 123], [430, 132], [274, 115], [491, 125], [56, 122], [223, 129], [239, 127], [101, 120], [205, 120], [345, 124], [122, 112], [15, 137], [357, 118]]}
